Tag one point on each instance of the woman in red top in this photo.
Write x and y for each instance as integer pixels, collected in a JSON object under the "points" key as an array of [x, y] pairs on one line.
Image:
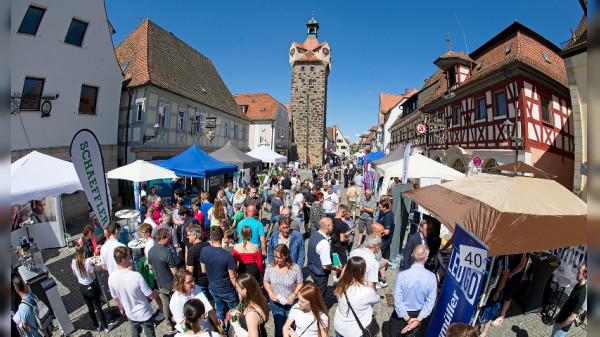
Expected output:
{"points": [[199, 215], [248, 255]]}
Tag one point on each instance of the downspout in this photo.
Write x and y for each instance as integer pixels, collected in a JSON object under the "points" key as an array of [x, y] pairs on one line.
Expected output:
{"points": [[515, 102], [130, 93]]}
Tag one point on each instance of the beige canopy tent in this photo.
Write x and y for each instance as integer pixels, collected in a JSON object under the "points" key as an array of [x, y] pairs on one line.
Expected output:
{"points": [[509, 213]]}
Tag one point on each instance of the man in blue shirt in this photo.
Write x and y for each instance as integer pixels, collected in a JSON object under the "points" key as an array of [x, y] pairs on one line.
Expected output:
{"points": [[388, 220], [258, 230], [292, 238], [25, 312], [414, 296], [204, 207]]}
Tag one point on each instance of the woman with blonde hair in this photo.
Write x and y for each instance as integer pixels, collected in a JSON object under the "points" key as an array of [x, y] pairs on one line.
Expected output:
{"points": [[310, 315], [239, 196], [185, 289], [247, 255], [83, 270], [217, 213], [253, 305]]}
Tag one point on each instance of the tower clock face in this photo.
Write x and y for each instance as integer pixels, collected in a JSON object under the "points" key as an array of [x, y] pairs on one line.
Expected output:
{"points": [[292, 52], [326, 51]]}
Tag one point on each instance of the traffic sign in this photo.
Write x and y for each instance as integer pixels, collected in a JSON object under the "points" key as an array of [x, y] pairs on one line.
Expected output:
{"points": [[477, 161], [421, 128]]}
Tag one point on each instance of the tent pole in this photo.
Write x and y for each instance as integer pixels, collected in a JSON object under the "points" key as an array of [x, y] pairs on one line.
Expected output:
{"points": [[484, 290]]}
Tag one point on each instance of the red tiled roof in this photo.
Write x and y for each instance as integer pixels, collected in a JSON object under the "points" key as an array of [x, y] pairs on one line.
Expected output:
{"points": [[259, 106], [159, 57], [460, 55], [311, 45], [527, 47], [388, 101], [578, 38]]}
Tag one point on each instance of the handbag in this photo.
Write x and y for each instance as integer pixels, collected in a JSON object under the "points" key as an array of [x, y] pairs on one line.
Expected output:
{"points": [[370, 330]]}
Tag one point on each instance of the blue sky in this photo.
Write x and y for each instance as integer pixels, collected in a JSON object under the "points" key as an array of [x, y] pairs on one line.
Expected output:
{"points": [[376, 46]]}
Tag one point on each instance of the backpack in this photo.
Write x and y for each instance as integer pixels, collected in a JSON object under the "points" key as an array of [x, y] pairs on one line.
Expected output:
{"points": [[41, 313]]}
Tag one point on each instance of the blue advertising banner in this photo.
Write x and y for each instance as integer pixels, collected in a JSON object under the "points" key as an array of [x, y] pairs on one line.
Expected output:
{"points": [[462, 283]]}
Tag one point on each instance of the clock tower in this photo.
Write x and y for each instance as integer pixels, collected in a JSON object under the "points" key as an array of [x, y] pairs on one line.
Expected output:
{"points": [[311, 64]]}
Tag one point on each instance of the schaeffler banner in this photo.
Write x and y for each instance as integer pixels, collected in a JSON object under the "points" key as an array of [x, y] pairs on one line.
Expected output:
{"points": [[462, 283], [87, 159]]}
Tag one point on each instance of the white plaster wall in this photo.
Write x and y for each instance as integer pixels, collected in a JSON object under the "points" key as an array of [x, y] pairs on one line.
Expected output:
{"points": [[260, 129], [387, 135], [65, 68]]}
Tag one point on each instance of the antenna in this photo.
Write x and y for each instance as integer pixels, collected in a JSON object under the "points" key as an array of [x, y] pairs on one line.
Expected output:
{"points": [[140, 18], [448, 40], [463, 32]]}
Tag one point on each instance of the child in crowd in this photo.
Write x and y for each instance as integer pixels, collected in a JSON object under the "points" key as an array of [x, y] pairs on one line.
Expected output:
{"points": [[239, 215], [228, 237]]}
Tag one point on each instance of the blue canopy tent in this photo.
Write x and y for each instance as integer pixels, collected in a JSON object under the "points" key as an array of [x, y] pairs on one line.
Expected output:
{"points": [[194, 162], [375, 155]]}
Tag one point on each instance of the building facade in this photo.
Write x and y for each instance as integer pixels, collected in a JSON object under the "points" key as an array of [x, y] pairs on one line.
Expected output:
{"points": [[508, 100], [172, 97], [390, 108], [269, 123], [342, 145], [64, 77], [311, 64], [575, 56]]}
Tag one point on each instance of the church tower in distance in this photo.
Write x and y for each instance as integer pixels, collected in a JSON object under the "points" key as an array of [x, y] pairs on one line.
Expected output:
{"points": [[311, 64]]}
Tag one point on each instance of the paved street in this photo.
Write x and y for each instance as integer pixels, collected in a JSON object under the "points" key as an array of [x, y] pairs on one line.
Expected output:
{"points": [[58, 261]]}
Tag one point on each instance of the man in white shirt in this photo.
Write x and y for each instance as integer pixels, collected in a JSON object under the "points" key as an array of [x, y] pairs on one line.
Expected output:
{"points": [[319, 255], [112, 231], [298, 205], [372, 244], [358, 180], [330, 202], [150, 218], [131, 293]]}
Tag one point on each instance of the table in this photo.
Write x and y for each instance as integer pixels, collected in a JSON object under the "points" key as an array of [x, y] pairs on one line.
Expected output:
{"points": [[127, 214], [137, 244]]}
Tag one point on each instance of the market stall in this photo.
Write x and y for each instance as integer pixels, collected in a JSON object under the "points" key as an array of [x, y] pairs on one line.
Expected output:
{"points": [[512, 213], [267, 155]]}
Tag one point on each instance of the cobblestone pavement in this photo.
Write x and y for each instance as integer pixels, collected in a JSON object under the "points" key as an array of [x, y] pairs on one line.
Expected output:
{"points": [[58, 261]]}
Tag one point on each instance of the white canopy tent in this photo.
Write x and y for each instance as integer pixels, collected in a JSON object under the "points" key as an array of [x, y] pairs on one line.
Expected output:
{"points": [[37, 176], [141, 170], [419, 166], [267, 155]]}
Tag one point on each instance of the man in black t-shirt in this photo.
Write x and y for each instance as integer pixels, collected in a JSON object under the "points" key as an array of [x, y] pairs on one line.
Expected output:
{"points": [[192, 262], [573, 306], [340, 235]]}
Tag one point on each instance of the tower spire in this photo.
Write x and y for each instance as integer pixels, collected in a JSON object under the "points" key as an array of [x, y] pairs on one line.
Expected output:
{"points": [[312, 27]]}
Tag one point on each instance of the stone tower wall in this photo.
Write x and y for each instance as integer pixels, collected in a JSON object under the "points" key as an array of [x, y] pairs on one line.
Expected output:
{"points": [[317, 109]]}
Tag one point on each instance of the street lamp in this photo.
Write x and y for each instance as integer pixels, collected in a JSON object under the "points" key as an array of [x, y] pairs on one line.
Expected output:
{"points": [[509, 127], [158, 129]]}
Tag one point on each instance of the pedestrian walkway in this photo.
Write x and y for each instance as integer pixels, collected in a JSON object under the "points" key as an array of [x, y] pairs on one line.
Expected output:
{"points": [[59, 260]]}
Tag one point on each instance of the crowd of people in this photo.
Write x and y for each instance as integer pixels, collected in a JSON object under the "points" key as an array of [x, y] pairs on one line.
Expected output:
{"points": [[223, 265]]}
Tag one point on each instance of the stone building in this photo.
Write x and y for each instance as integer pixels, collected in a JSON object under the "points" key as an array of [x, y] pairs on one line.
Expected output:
{"points": [[311, 64]]}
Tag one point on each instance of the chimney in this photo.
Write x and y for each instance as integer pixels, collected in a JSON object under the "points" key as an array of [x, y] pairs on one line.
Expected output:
{"points": [[406, 91]]}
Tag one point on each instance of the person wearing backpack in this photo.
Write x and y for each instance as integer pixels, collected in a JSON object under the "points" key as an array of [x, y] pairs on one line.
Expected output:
{"points": [[30, 323]]}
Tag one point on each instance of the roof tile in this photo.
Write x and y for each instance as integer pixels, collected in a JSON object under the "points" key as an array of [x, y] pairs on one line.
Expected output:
{"points": [[260, 106]]}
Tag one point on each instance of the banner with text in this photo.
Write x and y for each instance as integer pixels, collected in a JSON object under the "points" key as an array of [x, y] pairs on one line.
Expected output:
{"points": [[462, 283], [87, 159]]}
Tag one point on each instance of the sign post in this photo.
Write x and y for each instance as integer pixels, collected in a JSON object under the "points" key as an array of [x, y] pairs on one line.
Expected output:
{"points": [[462, 284]]}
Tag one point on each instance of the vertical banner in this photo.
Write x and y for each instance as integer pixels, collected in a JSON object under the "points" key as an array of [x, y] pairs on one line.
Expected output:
{"points": [[405, 163], [462, 283], [87, 159]]}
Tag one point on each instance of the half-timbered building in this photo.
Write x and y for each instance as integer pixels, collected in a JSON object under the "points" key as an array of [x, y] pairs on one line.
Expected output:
{"points": [[171, 93], [508, 100]]}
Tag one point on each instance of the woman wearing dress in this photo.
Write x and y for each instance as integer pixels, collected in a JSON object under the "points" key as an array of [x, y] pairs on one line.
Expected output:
{"points": [[254, 308], [83, 270], [310, 315], [282, 281], [185, 289], [247, 255], [217, 213], [317, 212], [195, 313], [351, 289]]}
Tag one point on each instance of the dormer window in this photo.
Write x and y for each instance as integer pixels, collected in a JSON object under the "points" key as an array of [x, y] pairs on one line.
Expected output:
{"points": [[451, 77]]}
